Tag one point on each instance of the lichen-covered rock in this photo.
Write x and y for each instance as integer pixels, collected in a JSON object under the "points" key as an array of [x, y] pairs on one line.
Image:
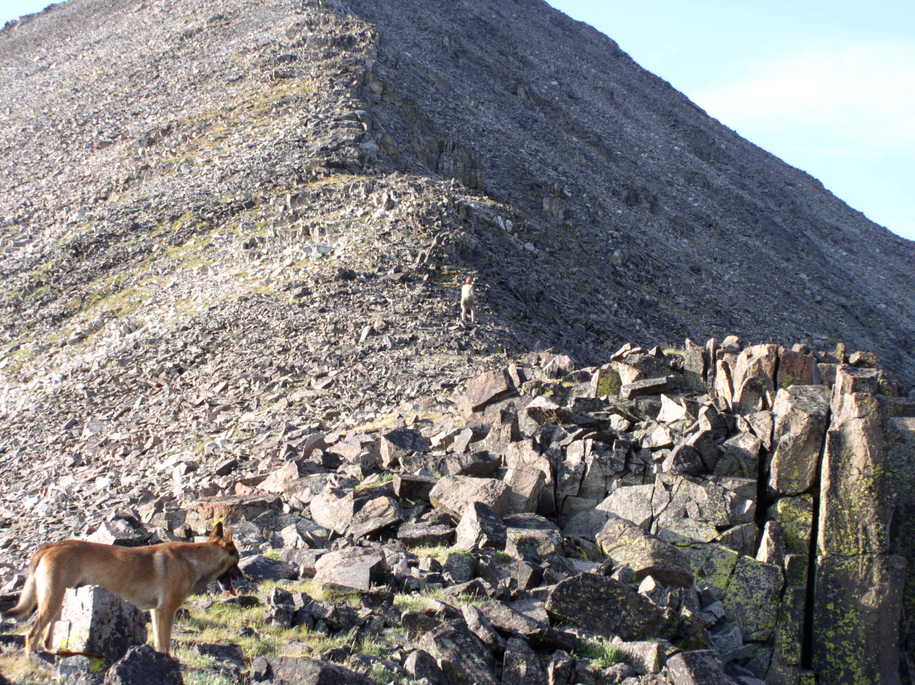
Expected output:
{"points": [[857, 609], [795, 514], [605, 606], [628, 545], [752, 597]]}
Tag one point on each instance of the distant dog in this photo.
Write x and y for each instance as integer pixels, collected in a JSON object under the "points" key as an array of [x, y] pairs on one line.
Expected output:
{"points": [[468, 301], [155, 577]]}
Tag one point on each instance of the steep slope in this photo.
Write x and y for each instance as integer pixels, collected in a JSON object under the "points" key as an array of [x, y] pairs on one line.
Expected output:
{"points": [[225, 222], [642, 198]]}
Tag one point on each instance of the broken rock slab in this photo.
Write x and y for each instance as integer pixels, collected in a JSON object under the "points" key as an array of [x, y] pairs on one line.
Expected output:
{"points": [[801, 415], [460, 655], [349, 569], [604, 605], [626, 544], [96, 621], [453, 494]]}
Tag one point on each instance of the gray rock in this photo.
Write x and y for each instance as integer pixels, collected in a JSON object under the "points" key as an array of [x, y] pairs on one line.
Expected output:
{"points": [[351, 568], [520, 665], [800, 423], [96, 621], [605, 606], [525, 485], [259, 567], [420, 665], [424, 533], [480, 527], [700, 667], [142, 665], [636, 503], [460, 655], [628, 545], [530, 536], [646, 657], [375, 515], [284, 670], [453, 494], [739, 456]]}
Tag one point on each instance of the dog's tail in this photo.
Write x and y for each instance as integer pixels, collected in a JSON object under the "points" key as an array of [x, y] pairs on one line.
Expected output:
{"points": [[27, 598]]}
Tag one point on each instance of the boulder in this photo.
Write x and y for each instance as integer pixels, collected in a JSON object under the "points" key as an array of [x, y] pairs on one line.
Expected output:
{"points": [[259, 567], [120, 531], [531, 537], [604, 605], [520, 665], [413, 487], [486, 389], [525, 486], [287, 670], [96, 621], [634, 503], [647, 387], [699, 667], [375, 515], [739, 456], [796, 368], [646, 657], [480, 527], [350, 569], [754, 377], [628, 545], [398, 443], [460, 655], [142, 665], [453, 494], [333, 508]]}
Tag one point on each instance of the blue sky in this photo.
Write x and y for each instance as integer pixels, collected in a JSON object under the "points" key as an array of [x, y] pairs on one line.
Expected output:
{"points": [[827, 85]]}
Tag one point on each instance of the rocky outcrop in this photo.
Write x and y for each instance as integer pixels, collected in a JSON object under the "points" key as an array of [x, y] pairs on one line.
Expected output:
{"points": [[774, 553]]}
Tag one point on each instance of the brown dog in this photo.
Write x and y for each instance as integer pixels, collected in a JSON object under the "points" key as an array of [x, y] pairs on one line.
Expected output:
{"points": [[155, 577]]}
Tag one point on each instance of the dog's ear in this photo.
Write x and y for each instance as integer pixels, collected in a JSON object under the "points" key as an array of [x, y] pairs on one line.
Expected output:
{"points": [[228, 535], [217, 531]]}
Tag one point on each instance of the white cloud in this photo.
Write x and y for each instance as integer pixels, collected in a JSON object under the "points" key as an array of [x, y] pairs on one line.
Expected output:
{"points": [[861, 93]]}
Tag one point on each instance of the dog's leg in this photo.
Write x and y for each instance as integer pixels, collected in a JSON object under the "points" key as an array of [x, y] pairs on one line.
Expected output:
{"points": [[154, 618], [163, 619], [50, 599]]}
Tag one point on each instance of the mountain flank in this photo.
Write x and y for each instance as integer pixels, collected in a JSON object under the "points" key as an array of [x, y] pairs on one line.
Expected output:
{"points": [[229, 225]]}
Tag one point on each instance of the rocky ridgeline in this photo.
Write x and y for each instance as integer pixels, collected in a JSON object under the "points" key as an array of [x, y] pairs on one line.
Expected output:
{"points": [[719, 514]]}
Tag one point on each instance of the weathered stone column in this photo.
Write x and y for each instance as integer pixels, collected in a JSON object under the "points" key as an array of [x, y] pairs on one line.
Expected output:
{"points": [[859, 574]]}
